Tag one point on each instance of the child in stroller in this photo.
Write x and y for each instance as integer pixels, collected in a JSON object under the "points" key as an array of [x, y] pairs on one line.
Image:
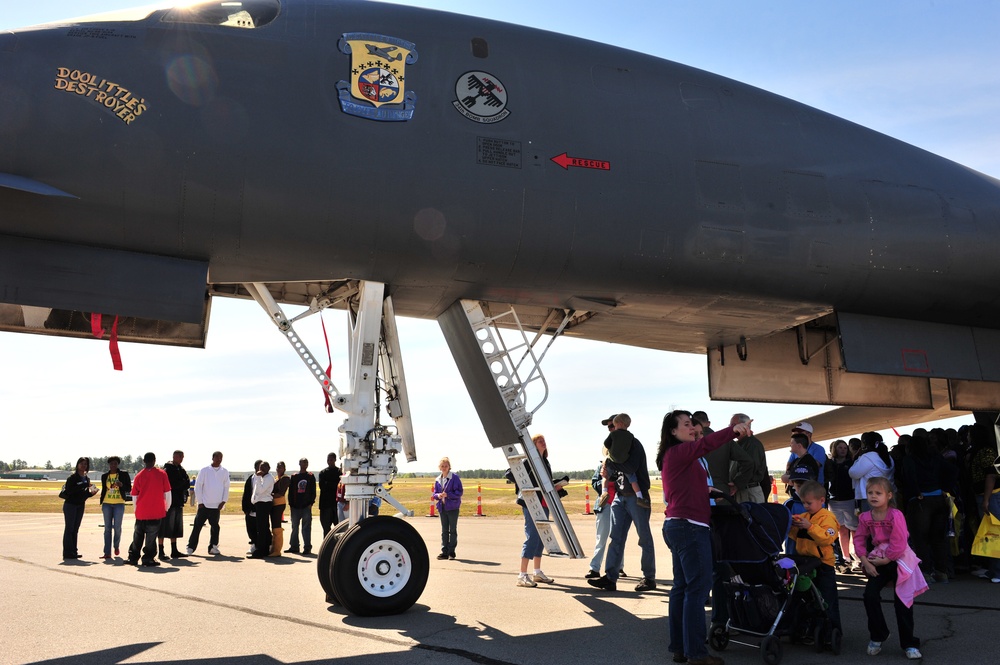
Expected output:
{"points": [[767, 594]]}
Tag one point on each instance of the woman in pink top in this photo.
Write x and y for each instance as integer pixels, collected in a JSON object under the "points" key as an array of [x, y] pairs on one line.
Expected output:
{"points": [[686, 531]]}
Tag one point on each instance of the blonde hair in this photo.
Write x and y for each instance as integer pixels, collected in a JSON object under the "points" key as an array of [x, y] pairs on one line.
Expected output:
{"points": [[885, 484], [812, 490], [541, 437], [623, 420], [445, 460]]}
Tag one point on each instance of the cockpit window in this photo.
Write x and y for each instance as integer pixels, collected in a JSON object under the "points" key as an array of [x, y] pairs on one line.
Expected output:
{"points": [[231, 13]]}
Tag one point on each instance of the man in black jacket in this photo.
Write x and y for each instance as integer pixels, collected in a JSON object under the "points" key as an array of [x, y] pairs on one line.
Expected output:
{"points": [[329, 479], [625, 512], [301, 497], [249, 516], [172, 526]]}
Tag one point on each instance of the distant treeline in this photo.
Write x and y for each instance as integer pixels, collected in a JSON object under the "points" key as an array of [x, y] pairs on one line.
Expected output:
{"points": [[496, 474], [128, 463]]}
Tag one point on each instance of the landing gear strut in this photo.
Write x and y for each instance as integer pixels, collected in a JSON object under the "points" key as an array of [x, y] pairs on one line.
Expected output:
{"points": [[377, 565]]}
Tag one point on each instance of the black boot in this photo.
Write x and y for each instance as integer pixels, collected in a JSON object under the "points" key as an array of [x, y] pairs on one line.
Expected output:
{"points": [[176, 553], [163, 554]]}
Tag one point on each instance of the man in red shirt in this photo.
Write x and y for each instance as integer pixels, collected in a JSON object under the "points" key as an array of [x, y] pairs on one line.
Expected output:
{"points": [[151, 492]]}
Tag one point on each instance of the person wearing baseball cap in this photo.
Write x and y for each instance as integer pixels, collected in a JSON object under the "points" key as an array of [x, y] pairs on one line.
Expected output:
{"points": [[805, 428], [817, 451]]}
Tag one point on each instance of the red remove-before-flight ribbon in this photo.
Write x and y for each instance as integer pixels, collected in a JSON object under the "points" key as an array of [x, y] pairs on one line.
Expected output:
{"points": [[98, 332]]}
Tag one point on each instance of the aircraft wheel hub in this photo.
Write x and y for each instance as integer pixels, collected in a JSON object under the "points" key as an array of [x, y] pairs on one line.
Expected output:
{"points": [[384, 568]]}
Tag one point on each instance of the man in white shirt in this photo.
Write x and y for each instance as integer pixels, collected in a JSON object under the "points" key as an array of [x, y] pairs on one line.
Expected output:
{"points": [[263, 486], [212, 489]]}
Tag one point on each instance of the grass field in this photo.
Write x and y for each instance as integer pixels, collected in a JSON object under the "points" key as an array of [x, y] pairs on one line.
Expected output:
{"points": [[40, 496]]}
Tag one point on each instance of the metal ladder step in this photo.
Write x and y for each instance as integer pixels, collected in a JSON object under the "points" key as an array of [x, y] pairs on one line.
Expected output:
{"points": [[499, 382]]}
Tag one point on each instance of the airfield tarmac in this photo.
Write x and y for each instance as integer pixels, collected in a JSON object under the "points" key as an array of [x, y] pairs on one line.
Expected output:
{"points": [[226, 609]]}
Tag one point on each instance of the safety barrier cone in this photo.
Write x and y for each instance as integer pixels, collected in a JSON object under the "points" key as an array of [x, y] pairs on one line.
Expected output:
{"points": [[774, 490], [433, 513], [586, 495], [479, 501]]}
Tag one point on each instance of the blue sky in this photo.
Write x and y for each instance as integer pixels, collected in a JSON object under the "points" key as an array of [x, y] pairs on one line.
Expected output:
{"points": [[923, 72]]}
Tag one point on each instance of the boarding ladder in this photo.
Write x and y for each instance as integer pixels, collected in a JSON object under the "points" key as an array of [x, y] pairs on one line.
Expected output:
{"points": [[500, 377]]}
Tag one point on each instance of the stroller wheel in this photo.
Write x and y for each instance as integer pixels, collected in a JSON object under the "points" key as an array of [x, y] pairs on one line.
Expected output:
{"points": [[836, 638], [718, 638], [770, 650], [819, 633]]}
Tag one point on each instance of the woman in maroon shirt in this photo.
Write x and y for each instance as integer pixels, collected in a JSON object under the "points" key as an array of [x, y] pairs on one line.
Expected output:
{"points": [[686, 531]]}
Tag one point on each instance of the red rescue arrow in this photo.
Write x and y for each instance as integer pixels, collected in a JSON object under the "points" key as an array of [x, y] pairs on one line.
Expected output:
{"points": [[565, 161]]}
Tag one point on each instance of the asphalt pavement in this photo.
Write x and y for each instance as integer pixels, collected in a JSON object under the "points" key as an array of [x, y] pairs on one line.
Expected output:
{"points": [[227, 609]]}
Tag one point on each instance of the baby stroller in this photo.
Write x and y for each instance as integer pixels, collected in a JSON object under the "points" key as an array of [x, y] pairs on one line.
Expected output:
{"points": [[768, 595]]}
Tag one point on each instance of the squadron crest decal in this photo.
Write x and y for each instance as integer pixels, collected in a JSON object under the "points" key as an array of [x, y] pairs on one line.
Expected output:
{"points": [[481, 97], [377, 87]]}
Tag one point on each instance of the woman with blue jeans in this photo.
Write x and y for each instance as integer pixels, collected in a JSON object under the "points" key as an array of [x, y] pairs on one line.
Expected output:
{"points": [[533, 547], [448, 494], [76, 491], [686, 529], [115, 486]]}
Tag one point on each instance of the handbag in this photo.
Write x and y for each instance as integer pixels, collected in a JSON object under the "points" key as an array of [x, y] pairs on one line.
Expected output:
{"points": [[62, 492], [987, 542]]}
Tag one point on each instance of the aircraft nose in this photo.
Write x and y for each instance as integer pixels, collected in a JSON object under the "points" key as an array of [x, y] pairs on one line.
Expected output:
{"points": [[14, 105], [8, 41]]}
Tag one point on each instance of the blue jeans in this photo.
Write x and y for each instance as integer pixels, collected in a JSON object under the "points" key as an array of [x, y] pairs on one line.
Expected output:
{"points": [[624, 512], [304, 517], [72, 517], [144, 541], [691, 551], [603, 524], [113, 513], [532, 541], [449, 530]]}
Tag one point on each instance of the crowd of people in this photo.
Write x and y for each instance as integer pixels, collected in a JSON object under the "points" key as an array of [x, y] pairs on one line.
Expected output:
{"points": [[159, 495], [904, 518]]}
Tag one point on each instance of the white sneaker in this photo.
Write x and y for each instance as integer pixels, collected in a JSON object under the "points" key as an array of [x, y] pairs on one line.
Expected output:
{"points": [[524, 580], [874, 648], [913, 653], [542, 577], [189, 551], [214, 551], [253, 548], [995, 580]]}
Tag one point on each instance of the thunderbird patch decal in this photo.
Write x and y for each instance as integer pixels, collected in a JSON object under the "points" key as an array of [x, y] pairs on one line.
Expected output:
{"points": [[377, 89], [481, 97]]}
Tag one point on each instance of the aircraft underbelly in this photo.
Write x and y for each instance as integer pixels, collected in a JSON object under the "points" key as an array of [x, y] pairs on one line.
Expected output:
{"points": [[53, 288]]}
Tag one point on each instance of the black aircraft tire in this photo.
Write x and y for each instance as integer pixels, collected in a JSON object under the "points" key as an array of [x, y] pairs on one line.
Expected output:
{"points": [[325, 554], [379, 567]]}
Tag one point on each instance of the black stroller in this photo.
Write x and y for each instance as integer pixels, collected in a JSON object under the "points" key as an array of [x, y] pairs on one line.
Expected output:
{"points": [[768, 595]]}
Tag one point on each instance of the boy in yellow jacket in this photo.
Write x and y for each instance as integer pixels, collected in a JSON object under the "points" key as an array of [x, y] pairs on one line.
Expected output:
{"points": [[814, 533]]}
